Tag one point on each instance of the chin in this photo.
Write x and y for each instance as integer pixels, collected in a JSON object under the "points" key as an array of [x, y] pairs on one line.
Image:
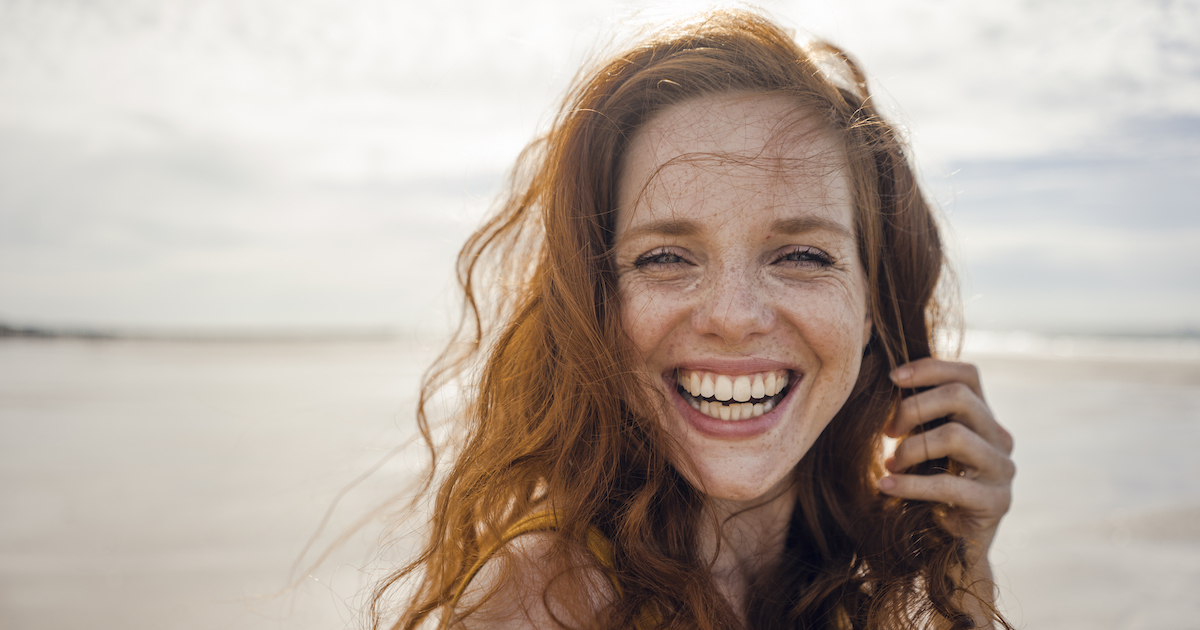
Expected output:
{"points": [[727, 481]]}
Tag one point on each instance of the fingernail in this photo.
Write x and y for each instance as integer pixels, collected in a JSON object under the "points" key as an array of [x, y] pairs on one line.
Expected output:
{"points": [[887, 483], [901, 373], [890, 464]]}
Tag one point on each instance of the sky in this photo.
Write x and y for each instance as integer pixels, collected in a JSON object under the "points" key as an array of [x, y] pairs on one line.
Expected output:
{"points": [[315, 164]]}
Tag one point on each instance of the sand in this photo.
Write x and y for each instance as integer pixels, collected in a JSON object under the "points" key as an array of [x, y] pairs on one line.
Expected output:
{"points": [[171, 485]]}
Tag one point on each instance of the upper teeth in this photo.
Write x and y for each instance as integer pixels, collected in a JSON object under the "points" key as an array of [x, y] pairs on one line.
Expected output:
{"points": [[740, 388]]}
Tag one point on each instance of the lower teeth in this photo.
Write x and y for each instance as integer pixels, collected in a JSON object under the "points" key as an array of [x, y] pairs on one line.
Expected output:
{"points": [[733, 411]]}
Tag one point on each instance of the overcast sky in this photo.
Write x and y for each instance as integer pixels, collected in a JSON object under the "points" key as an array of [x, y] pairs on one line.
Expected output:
{"points": [[317, 163]]}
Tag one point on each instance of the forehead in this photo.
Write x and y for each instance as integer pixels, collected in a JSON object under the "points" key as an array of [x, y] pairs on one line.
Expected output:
{"points": [[734, 152]]}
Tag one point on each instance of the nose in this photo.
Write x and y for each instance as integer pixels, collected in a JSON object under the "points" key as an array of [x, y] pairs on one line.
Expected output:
{"points": [[736, 307]]}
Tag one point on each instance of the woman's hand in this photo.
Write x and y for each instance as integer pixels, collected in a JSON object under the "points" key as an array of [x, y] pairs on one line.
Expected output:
{"points": [[980, 495]]}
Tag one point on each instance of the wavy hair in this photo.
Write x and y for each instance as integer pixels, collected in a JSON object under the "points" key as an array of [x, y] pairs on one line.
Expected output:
{"points": [[551, 381]]}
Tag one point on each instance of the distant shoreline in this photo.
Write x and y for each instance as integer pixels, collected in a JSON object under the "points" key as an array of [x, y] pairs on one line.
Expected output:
{"points": [[8, 331], [1172, 346]]}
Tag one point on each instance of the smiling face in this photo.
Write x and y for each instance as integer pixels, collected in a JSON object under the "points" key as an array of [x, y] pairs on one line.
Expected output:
{"points": [[740, 283]]}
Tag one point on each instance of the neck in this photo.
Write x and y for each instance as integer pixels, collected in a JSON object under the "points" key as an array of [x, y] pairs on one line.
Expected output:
{"points": [[745, 538]]}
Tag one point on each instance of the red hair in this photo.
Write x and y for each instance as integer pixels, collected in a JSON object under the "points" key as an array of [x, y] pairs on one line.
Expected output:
{"points": [[552, 385]]}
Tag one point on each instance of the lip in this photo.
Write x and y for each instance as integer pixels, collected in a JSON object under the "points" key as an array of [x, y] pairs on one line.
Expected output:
{"points": [[739, 429], [733, 367]]}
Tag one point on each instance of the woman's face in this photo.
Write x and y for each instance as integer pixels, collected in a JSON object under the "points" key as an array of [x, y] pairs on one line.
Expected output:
{"points": [[740, 284]]}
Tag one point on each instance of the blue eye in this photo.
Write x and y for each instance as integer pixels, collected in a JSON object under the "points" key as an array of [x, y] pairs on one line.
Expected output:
{"points": [[806, 256], [658, 257]]}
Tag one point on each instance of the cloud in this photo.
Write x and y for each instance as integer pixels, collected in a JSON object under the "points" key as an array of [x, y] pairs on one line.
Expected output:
{"points": [[189, 233], [310, 161], [1106, 237], [1007, 79]]}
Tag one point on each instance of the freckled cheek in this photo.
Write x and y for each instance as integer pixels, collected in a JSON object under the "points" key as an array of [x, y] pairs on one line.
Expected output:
{"points": [[832, 328], [648, 320]]}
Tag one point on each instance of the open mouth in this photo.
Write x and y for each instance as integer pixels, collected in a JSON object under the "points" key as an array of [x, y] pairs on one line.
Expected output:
{"points": [[732, 398]]}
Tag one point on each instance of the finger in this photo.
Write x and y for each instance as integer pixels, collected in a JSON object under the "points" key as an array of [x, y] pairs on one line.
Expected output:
{"points": [[951, 399], [960, 444], [956, 401], [984, 499], [929, 372]]}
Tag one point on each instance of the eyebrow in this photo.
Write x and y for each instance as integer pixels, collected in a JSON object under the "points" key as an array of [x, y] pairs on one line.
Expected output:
{"points": [[800, 225], [667, 227], [684, 227]]}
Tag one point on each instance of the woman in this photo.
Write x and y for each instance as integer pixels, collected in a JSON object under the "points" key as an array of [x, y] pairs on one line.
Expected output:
{"points": [[710, 296]]}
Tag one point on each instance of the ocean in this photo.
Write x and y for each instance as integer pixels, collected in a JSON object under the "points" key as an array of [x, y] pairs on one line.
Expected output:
{"points": [[174, 485]]}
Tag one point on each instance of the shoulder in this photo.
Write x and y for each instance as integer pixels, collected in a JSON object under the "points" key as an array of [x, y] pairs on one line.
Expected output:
{"points": [[536, 580]]}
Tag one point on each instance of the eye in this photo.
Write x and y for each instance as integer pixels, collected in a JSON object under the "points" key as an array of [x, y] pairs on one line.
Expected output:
{"points": [[805, 257], [658, 257]]}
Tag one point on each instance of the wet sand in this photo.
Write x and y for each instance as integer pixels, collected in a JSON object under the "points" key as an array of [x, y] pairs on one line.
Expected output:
{"points": [[171, 485], [1104, 531]]}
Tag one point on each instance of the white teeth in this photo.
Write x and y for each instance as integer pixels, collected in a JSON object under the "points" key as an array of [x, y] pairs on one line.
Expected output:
{"points": [[729, 396], [724, 388], [741, 388], [734, 412]]}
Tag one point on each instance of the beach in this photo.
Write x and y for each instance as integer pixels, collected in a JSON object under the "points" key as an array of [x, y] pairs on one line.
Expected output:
{"points": [[168, 484]]}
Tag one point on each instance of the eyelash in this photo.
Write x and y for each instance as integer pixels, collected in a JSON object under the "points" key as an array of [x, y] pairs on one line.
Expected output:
{"points": [[807, 255], [649, 258]]}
